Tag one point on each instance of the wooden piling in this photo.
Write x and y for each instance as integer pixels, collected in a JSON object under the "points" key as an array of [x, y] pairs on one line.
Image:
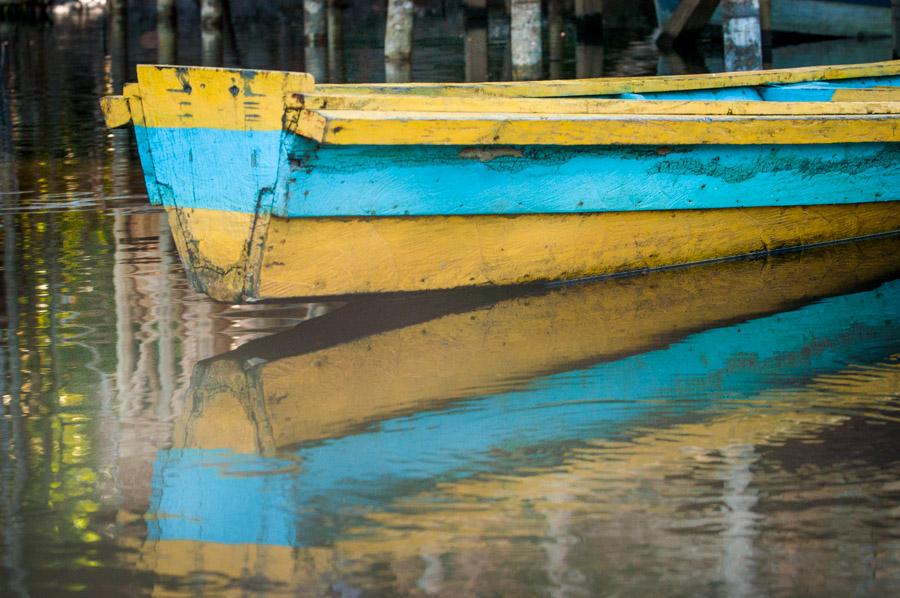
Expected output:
{"points": [[315, 27], [742, 35], [475, 40], [685, 22], [211, 32], [525, 39], [555, 37], [589, 20], [166, 31], [336, 41], [399, 30], [895, 26], [118, 42]]}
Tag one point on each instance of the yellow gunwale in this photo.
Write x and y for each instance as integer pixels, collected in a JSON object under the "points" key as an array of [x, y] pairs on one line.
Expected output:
{"points": [[158, 85], [617, 85], [394, 103], [366, 127]]}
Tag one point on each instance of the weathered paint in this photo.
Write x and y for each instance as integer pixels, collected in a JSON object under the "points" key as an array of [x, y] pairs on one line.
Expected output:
{"points": [[453, 180], [362, 127], [293, 177], [315, 257], [354, 473], [216, 98], [496, 341], [115, 111], [873, 94], [216, 155], [858, 103]]}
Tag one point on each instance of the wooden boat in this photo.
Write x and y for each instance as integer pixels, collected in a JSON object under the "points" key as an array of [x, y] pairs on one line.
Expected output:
{"points": [[294, 441], [277, 187], [833, 18]]}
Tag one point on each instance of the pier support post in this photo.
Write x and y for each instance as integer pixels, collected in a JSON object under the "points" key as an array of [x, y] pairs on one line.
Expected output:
{"points": [[742, 35], [211, 32], [589, 20], [475, 39], [399, 30], [765, 25], [118, 42], [525, 38], [315, 23], [555, 37], [895, 26], [166, 31], [588, 38], [686, 22], [336, 41]]}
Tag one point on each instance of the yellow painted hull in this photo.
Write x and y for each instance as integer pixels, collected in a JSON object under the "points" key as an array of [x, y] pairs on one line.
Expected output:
{"points": [[233, 256]]}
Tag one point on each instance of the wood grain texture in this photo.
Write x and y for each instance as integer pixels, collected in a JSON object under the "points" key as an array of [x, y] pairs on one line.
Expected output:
{"points": [[876, 103], [316, 257], [506, 179], [218, 98], [359, 127], [115, 111]]}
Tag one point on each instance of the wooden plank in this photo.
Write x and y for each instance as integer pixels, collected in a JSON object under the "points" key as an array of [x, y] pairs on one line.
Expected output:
{"points": [[216, 98], [872, 94], [687, 20], [619, 85], [115, 111], [314, 257], [351, 127], [392, 103]]}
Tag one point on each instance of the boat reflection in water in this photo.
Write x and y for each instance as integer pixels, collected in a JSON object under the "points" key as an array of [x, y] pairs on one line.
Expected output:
{"points": [[438, 438]]}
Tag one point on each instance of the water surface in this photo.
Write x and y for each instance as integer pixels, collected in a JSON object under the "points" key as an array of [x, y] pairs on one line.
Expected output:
{"points": [[730, 429]]}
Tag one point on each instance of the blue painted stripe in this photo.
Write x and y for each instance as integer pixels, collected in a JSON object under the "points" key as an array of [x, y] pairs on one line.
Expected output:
{"points": [[399, 180], [234, 170], [309, 496]]}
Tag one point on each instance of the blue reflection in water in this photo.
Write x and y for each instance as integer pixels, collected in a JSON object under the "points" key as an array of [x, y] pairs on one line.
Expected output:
{"points": [[308, 497]]}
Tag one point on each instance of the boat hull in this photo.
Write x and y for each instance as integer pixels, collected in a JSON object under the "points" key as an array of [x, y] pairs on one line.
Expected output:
{"points": [[269, 197], [236, 256]]}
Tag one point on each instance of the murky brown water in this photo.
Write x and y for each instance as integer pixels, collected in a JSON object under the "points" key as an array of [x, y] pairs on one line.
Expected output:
{"points": [[724, 430]]}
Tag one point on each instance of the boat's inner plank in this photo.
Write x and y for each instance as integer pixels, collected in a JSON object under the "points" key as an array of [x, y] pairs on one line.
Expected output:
{"points": [[359, 127], [873, 94], [395, 103]]}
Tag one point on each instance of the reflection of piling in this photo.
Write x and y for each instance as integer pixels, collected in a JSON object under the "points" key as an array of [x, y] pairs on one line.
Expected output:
{"points": [[742, 35], [26, 10], [476, 39], [336, 41], [314, 28], [398, 35], [525, 38], [167, 32], [211, 32]]}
